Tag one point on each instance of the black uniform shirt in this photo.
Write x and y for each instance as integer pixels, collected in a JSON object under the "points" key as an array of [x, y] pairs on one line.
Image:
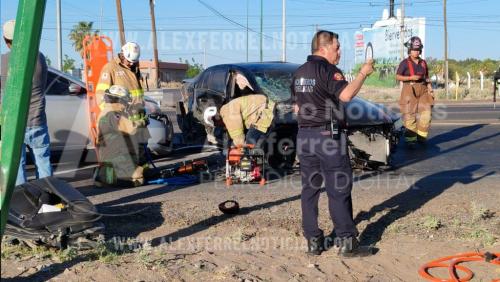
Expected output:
{"points": [[316, 87]]}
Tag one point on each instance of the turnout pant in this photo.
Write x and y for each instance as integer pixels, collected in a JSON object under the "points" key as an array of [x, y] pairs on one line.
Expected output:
{"points": [[325, 160], [416, 105]]}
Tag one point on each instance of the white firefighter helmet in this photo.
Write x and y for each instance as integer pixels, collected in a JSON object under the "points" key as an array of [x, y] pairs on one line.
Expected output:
{"points": [[131, 51], [8, 29], [118, 91]]}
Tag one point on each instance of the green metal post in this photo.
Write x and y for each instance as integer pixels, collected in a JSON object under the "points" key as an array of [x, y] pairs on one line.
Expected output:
{"points": [[17, 95]]}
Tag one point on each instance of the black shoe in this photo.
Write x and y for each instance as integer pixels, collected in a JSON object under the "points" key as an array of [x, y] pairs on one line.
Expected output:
{"points": [[410, 145], [316, 245], [422, 141], [330, 240], [350, 247]]}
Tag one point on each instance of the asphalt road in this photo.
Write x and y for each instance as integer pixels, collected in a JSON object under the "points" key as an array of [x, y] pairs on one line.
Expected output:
{"points": [[463, 138]]}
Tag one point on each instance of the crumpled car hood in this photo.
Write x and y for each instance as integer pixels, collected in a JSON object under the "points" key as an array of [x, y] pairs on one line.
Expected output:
{"points": [[360, 112]]}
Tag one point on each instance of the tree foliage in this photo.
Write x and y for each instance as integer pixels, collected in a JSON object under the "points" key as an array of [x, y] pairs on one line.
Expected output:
{"points": [[78, 33], [68, 63], [473, 66], [194, 68]]}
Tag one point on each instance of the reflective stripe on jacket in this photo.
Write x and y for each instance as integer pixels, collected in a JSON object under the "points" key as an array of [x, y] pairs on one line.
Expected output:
{"points": [[246, 111], [114, 73]]}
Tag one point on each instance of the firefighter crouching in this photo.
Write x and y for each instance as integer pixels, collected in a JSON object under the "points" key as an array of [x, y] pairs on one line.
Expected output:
{"points": [[119, 165], [417, 96], [253, 112], [124, 70]]}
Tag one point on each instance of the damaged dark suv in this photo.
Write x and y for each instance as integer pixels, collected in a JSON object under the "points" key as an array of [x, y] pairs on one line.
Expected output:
{"points": [[373, 130]]}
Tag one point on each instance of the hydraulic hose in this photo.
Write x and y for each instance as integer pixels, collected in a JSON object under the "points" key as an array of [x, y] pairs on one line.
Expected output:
{"points": [[452, 264]]}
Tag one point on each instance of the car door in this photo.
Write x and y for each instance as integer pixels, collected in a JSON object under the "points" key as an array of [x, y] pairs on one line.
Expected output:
{"points": [[212, 92], [66, 113]]}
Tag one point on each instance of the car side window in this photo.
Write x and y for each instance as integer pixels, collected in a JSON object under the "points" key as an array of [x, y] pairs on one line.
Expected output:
{"points": [[203, 81], [57, 85], [217, 81]]}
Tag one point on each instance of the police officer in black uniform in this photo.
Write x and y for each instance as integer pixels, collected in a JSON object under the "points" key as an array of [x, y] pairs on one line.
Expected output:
{"points": [[319, 90]]}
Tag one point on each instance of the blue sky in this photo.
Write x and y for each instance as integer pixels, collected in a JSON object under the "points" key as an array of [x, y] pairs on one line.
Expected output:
{"points": [[188, 29]]}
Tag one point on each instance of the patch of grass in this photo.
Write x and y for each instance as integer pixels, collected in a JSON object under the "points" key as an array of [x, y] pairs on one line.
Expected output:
{"points": [[432, 223], [375, 80], [105, 253], [67, 254], [20, 251], [486, 238], [9, 251], [145, 258], [479, 212]]}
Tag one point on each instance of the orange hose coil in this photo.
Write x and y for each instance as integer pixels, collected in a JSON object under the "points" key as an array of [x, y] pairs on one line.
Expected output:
{"points": [[452, 264]]}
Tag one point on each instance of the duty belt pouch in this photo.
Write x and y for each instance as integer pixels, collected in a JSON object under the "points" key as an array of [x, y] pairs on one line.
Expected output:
{"points": [[338, 133], [334, 126]]}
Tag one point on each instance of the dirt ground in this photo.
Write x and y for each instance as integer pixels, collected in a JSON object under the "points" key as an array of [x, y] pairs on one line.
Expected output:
{"points": [[181, 235], [439, 200]]}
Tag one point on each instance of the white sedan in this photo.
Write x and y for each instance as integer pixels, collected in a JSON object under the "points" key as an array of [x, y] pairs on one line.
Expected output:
{"points": [[68, 122]]}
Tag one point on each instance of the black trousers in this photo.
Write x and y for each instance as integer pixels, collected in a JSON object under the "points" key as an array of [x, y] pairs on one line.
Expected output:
{"points": [[325, 160]]}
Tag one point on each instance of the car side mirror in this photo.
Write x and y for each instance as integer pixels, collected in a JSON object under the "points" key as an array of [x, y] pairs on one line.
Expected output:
{"points": [[74, 89]]}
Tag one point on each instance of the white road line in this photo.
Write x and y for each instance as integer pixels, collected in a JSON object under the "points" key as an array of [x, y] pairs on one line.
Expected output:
{"points": [[465, 122], [59, 172]]}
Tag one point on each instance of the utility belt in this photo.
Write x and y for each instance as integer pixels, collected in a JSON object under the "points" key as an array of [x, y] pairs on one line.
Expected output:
{"points": [[325, 126], [333, 127]]}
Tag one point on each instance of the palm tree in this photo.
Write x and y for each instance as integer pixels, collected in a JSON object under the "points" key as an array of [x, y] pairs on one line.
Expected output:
{"points": [[78, 33]]}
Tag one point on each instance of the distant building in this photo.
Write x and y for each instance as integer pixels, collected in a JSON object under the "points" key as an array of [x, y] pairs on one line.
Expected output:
{"points": [[169, 72]]}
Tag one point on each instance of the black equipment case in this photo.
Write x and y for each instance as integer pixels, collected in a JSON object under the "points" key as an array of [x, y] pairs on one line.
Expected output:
{"points": [[51, 212]]}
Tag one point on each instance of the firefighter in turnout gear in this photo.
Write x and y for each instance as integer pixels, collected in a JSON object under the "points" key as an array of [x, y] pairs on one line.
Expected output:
{"points": [[124, 71], [417, 97], [116, 132], [254, 112]]}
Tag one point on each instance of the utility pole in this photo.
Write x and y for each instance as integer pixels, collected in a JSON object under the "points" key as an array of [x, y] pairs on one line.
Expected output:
{"points": [[283, 36], [391, 9], [155, 47], [261, 28], [247, 31], [205, 55], [100, 15], [59, 37], [120, 21], [446, 78], [402, 31]]}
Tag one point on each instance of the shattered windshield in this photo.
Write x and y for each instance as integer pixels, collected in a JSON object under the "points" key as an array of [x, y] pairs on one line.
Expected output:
{"points": [[274, 83]]}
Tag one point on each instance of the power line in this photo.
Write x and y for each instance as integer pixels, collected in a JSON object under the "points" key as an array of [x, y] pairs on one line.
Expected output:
{"points": [[240, 25]]}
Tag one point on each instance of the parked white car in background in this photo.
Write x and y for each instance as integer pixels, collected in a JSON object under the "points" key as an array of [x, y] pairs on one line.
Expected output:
{"points": [[68, 122]]}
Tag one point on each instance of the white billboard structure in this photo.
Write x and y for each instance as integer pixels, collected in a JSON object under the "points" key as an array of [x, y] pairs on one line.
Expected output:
{"points": [[382, 41]]}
